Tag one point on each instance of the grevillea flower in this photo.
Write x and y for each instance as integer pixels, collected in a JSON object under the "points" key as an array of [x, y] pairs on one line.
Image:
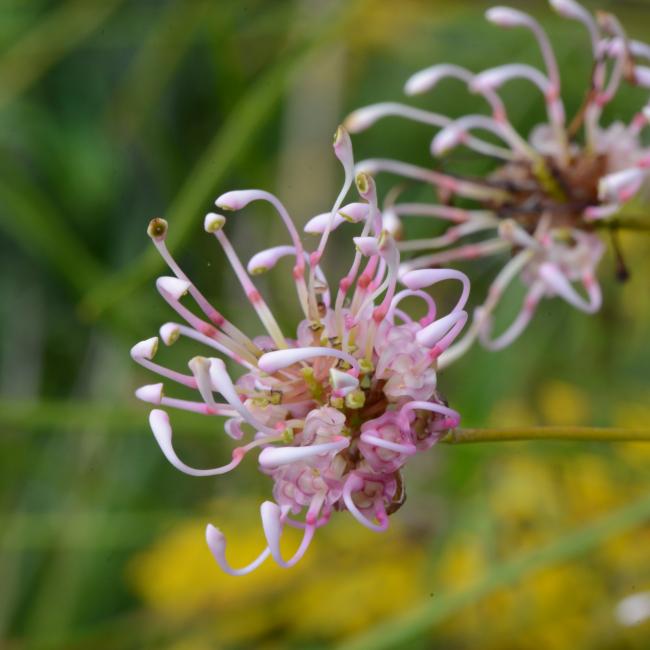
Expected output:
{"points": [[543, 202], [339, 408]]}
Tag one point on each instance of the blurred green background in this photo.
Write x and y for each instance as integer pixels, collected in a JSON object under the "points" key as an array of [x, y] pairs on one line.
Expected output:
{"points": [[115, 111]]}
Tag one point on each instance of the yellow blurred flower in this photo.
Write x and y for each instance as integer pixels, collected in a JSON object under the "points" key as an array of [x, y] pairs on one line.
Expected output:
{"points": [[349, 570], [563, 403]]}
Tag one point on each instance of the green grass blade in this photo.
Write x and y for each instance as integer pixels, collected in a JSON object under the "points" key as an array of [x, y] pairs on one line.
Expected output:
{"points": [[54, 35], [235, 135], [35, 225]]}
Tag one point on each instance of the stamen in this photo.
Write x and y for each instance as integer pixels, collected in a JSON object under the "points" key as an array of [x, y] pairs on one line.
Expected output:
{"points": [[422, 278], [170, 332], [575, 11], [217, 544], [439, 334], [451, 235], [152, 393], [271, 362], [466, 252], [371, 439], [497, 288], [143, 352], [355, 483], [162, 431], [451, 421], [443, 181], [621, 186], [431, 306], [365, 117], [450, 213], [277, 456], [222, 383], [272, 519], [254, 297], [508, 17], [237, 200], [557, 282], [528, 309]]}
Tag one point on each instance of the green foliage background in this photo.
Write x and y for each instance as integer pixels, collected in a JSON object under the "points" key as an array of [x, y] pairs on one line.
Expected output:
{"points": [[115, 111]]}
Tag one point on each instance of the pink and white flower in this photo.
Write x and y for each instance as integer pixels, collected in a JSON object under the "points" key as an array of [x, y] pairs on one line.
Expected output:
{"points": [[335, 412], [549, 193]]}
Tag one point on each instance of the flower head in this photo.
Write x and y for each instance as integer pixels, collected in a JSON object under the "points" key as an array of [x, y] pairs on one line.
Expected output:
{"points": [[543, 202], [335, 411]]}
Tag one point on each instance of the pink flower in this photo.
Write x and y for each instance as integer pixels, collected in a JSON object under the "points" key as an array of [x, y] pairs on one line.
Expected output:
{"points": [[338, 410], [541, 202]]}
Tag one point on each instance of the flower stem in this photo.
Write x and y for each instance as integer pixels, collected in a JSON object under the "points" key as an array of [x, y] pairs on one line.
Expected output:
{"points": [[630, 223], [514, 434]]}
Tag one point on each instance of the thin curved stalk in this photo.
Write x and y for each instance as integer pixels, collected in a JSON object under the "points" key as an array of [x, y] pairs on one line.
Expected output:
{"points": [[561, 433]]}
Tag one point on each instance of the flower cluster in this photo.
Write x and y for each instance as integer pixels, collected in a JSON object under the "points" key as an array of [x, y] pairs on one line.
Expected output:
{"points": [[544, 201], [335, 412]]}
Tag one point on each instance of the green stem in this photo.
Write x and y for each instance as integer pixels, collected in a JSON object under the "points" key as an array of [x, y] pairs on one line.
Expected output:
{"points": [[631, 223], [514, 434]]}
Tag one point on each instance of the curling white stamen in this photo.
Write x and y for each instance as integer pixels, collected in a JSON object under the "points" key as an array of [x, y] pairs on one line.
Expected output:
{"points": [[162, 431], [277, 456], [508, 17], [217, 545], [221, 381], [388, 444], [575, 11], [354, 484], [434, 333], [421, 278], [271, 362], [558, 283]]}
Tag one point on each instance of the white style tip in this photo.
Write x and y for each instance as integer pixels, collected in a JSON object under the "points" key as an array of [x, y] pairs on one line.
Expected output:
{"points": [[488, 80], [145, 349], [568, 8], [354, 212], [213, 222], [507, 17], [152, 393], [157, 229], [236, 199], [343, 147], [342, 381], [432, 333], [169, 333], [367, 246], [319, 224], [423, 80], [161, 428], [215, 539], [446, 140], [175, 288], [364, 118], [642, 76], [265, 260], [621, 186]]}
